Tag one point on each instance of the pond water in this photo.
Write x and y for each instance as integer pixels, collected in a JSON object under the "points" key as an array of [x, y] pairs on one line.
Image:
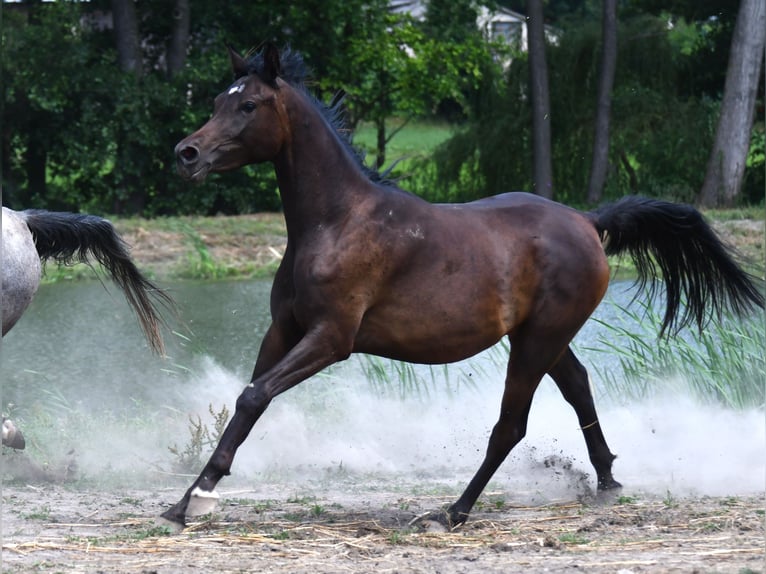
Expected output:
{"points": [[78, 354], [81, 341]]}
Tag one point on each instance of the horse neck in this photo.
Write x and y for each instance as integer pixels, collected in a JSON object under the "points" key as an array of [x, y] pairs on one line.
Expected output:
{"points": [[319, 180]]}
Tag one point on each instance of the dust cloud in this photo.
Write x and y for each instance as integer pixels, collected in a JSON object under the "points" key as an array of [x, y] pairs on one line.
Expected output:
{"points": [[338, 424]]}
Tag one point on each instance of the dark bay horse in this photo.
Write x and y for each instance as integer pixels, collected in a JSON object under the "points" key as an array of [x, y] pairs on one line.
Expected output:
{"points": [[370, 268], [35, 235]]}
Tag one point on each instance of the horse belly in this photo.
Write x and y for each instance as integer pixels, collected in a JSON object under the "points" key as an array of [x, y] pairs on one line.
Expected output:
{"points": [[20, 268], [432, 327]]}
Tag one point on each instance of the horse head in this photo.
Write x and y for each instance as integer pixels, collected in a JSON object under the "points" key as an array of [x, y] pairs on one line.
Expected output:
{"points": [[248, 124]]}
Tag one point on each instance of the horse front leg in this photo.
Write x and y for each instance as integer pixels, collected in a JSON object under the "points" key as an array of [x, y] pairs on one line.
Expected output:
{"points": [[318, 349]]}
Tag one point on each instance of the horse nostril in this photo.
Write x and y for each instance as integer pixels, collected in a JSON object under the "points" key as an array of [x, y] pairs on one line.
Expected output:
{"points": [[188, 154]]}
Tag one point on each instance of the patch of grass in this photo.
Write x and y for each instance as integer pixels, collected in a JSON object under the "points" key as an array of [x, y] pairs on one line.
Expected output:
{"points": [[135, 535], [710, 527], [56, 273], [202, 440], [232, 226], [573, 538], [42, 513], [297, 499], [416, 138], [317, 510], [670, 501], [151, 532], [729, 214], [626, 500], [201, 264], [396, 537]]}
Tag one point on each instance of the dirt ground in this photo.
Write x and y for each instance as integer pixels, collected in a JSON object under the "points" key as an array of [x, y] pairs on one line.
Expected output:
{"points": [[56, 528]]}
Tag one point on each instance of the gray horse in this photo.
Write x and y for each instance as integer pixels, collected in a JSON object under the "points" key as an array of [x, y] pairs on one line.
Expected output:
{"points": [[34, 236]]}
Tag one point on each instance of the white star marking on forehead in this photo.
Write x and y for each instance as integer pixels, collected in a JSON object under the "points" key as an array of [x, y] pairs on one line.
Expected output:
{"points": [[236, 88]]}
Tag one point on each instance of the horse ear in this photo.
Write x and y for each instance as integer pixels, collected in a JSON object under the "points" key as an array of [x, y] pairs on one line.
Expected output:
{"points": [[271, 66], [238, 63]]}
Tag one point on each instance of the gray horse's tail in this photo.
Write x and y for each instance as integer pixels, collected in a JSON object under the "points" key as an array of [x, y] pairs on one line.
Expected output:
{"points": [[72, 237]]}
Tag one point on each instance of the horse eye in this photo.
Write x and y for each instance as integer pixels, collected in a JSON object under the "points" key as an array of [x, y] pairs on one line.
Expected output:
{"points": [[248, 107]]}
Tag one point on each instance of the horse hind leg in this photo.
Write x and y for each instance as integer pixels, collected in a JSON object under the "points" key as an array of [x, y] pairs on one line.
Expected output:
{"points": [[572, 380], [532, 354]]}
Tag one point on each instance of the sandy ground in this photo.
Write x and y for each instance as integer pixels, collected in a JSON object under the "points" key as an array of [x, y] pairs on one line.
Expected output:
{"points": [[65, 528]]}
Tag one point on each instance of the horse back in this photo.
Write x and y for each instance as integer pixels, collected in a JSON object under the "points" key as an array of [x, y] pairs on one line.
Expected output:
{"points": [[471, 273]]}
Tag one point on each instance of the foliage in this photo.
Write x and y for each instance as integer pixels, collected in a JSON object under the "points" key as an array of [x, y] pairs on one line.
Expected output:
{"points": [[660, 137], [723, 364], [78, 134], [754, 186], [202, 441]]}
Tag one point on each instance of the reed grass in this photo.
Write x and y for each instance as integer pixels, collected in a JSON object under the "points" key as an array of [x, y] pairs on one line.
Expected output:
{"points": [[406, 380], [722, 364]]}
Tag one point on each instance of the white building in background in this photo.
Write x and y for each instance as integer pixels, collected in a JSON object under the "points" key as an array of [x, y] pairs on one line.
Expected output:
{"points": [[498, 24]]}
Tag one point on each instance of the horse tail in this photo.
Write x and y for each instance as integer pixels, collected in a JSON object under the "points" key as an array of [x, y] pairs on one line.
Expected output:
{"points": [[673, 242], [71, 237]]}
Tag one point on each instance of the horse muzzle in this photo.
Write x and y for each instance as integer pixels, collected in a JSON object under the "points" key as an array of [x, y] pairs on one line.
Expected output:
{"points": [[189, 162]]}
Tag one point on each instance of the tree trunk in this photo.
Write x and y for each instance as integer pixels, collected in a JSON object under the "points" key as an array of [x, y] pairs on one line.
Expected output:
{"points": [[126, 36], [541, 120], [380, 130], [130, 196], [726, 166], [600, 160], [35, 164], [179, 40]]}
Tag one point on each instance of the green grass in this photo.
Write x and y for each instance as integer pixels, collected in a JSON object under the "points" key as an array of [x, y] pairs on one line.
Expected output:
{"points": [[416, 139], [723, 364], [755, 212], [42, 513], [573, 538], [203, 225]]}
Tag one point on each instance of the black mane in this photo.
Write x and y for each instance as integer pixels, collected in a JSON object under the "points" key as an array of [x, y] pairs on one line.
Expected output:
{"points": [[294, 71]]}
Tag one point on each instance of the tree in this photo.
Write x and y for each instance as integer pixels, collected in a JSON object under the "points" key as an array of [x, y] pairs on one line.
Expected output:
{"points": [[413, 68], [600, 160], [726, 166], [39, 112], [126, 36], [179, 39], [540, 100]]}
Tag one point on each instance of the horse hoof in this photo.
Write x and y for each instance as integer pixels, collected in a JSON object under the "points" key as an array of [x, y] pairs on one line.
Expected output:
{"points": [[12, 436], [433, 522], [610, 484], [173, 526], [606, 495], [202, 502]]}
